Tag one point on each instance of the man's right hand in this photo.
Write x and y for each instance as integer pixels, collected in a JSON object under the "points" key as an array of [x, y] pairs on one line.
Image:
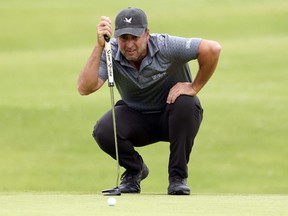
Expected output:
{"points": [[103, 28]]}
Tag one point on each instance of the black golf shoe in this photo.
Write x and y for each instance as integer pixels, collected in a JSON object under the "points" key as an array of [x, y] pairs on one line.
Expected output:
{"points": [[130, 182], [178, 186]]}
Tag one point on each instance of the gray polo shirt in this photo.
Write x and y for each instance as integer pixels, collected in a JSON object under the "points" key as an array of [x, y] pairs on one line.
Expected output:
{"points": [[166, 63]]}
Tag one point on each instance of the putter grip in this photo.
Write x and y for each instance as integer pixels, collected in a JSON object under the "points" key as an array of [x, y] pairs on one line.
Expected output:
{"points": [[109, 61], [106, 38]]}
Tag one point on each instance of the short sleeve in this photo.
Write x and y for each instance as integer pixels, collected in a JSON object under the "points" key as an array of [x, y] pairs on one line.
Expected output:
{"points": [[177, 48], [103, 68]]}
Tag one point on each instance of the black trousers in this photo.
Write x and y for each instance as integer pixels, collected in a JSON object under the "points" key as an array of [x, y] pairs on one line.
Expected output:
{"points": [[178, 124]]}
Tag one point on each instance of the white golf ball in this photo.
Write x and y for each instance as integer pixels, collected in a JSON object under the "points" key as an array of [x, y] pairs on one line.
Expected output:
{"points": [[111, 201]]}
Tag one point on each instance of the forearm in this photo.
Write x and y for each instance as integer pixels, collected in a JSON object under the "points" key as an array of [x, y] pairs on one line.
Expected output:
{"points": [[88, 81], [209, 52]]}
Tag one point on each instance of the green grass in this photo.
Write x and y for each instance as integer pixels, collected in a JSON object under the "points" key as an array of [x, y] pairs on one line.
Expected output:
{"points": [[145, 204], [46, 142]]}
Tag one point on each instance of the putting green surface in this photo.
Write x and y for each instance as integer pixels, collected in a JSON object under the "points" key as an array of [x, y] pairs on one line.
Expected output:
{"points": [[50, 204]]}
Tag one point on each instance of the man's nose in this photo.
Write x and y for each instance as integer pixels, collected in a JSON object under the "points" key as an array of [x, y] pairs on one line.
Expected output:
{"points": [[129, 43]]}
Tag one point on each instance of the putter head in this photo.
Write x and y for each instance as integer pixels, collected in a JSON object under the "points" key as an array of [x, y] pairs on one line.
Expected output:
{"points": [[112, 192]]}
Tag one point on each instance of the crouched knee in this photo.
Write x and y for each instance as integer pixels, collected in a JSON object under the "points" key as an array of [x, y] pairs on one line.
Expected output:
{"points": [[103, 136]]}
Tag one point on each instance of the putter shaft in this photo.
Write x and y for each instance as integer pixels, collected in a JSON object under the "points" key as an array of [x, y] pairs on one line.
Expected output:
{"points": [[109, 62], [115, 135]]}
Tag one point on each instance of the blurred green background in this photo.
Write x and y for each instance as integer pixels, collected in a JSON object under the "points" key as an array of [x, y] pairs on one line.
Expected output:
{"points": [[46, 126]]}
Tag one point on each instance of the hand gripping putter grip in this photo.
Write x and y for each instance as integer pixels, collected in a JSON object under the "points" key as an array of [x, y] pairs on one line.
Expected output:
{"points": [[113, 191]]}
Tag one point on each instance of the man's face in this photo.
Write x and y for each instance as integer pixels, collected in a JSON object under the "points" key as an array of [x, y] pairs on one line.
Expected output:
{"points": [[132, 47]]}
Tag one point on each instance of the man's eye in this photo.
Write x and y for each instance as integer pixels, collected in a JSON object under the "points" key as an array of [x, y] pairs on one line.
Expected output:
{"points": [[127, 37]]}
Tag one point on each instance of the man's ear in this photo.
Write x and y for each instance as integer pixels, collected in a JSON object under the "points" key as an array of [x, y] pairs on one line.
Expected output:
{"points": [[147, 34]]}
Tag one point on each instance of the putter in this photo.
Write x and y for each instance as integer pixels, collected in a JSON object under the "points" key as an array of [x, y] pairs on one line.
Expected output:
{"points": [[113, 191]]}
